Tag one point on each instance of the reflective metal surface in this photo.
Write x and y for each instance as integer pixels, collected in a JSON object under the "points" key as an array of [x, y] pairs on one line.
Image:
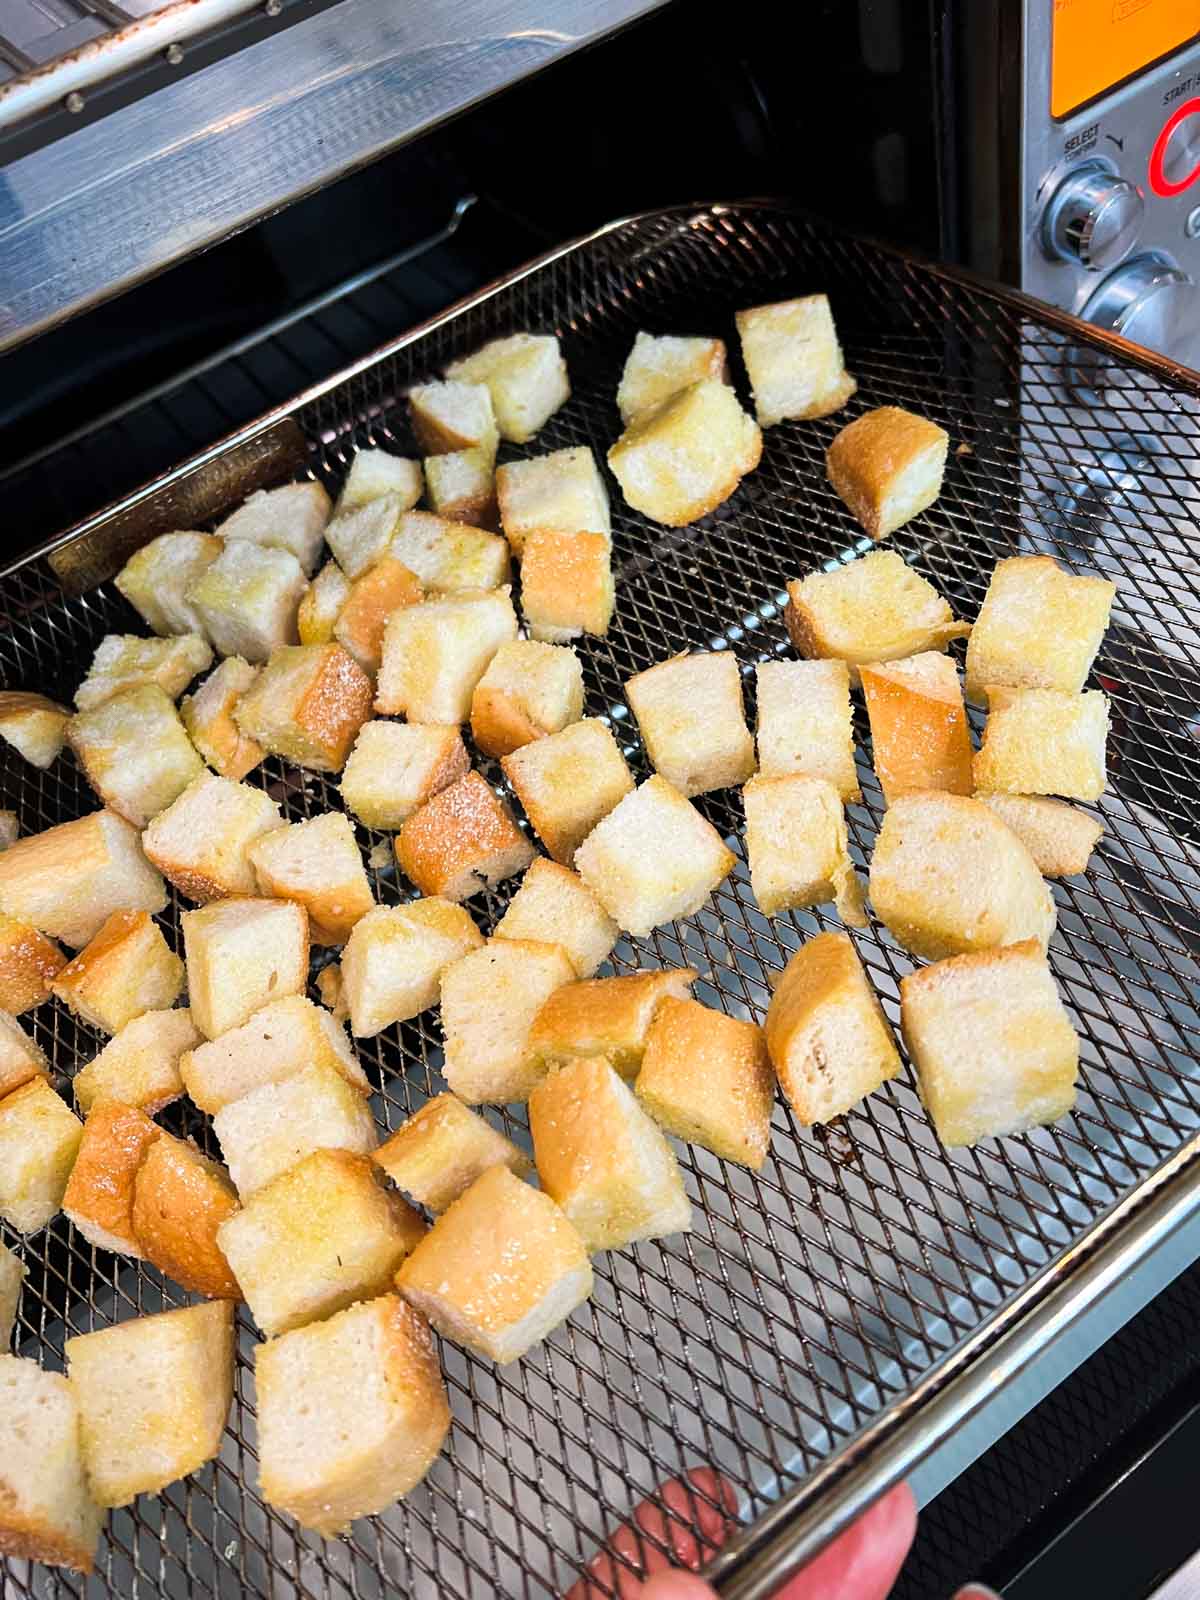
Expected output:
{"points": [[1094, 217]]}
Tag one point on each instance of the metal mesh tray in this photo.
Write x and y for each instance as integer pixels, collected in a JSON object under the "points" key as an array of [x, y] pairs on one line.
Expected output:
{"points": [[835, 1315]]}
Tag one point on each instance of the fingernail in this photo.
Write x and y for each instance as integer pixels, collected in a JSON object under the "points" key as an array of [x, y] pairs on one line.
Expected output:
{"points": [[977, 1591]]}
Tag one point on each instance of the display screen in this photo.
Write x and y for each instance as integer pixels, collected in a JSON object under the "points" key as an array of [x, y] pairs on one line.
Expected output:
{"points": [[1097, 43]]}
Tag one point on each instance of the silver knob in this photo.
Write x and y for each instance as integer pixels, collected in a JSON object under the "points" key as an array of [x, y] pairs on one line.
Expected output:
{"points": [[1146, 300], [1093, 217]]}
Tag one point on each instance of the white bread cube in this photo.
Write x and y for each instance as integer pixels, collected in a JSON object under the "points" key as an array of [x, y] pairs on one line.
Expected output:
{"points": [[948, 877], [29, 962], [395, 767], [873, 609], [99, 1195], [1042, 741], [275, 1126], [1060, 838], [993, 1046], [805, 723], [21, 1058], [248, 598], [68, 880], [554, 905], [692, 721], [208, 718], [322, 604], [317, 1238], [361, 536], [39, 1139], [393, 963], [47, 1513], [463, 839], [12, 1275], [317, 864], [499, 1270], [134, 752], [490, 998], [448, 557], [439, 1152], [919, 733], [530, 689], [375, 473], [202, 841], [241, 954], [793, 360], [351, 1414], [680, 459], [10, 829], [654, 859], [155, 580], [452, 416], [887, 466], [153, 1396], [290, 518], [126, 970], [386, 587], [462, 487], [1039, 628], [568, 782], [180, 1200], [526, 377], [307, 705], [125, 661], [561, 492], [707, 1078], [567, 585], [607, 1017], [827, 1036], [332, 990], [140, 1066], [277, 1042], [659, 365], [797, 848], [34, 726], [434, 654]]}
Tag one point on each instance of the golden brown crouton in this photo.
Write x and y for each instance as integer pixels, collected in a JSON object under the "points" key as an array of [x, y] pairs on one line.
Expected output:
{"points": [[208, 717], [127, 969], [530, 689], [680, 459], [887, 466], [29, 962], [439, 1152], [317, 864], [201, 842], [690, 714], [462, 840], [919, 733], [395, 767], [794, 360], [180, 1200], [68, 880], [568, 782], [307, 705]]}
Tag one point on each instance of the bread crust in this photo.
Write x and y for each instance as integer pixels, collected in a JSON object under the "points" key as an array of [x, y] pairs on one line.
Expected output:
{"points": [[100, 1190], [180, 1199], [919, 733], [308, 705], [462, 838], [607, 1017], [29, 963], [871, 456], [68, 880], [127, 969], [439, 1152], [386, 587]]}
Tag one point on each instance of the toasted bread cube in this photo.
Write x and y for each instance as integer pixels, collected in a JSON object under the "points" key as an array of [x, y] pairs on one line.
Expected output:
{"points": [[99, 1195], [948, 877], [21, 1058], [393, 963], [607, 1017], [125, 661], [448, 557], [919, 733], [805, 723], [140, 1066], [180, 1201], [680, 459], [797, 848], [562, 492], [34, 726], [134, 752], [241, 954], [386, 587], [462, 488], [554, 905], [68, 880], [439, 1152], [1039, 628], [376, 473], [707, 1078], [290, 518], [39, 1139], [318, 865], [794, 360], [29, 963], [47, 1513], [275, 1126], [993, 1046], [208, 718], [692, 721], [1042, 741], [659, 365], [126, 970], [500, 1269], [155, 580], [351, 1413], [462, 840], [1060, 838], [434, 654], [332, 989], [202, 841], [526, 377], [153, 1396], [567, 585], [887, 466], [568, 782], [395, 767], [248, 599], [277, 1042], [827, 1036], [322, 604], [530, 689], [307, 705], [10, 829], [653, 859], [317, 1238], [490, 998], [873, 609], [361, 536], [12, 1275], [452, 416]]}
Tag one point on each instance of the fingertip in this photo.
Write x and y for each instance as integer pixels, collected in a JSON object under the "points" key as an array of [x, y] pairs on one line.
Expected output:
{"points": [[676, 1586], [976, 1591]]}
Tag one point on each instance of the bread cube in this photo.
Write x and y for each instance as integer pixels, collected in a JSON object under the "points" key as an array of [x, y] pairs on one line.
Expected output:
{"points": [[386, 587], [208, 718], [47, 1513], [307, 705], [322, 604], [68, 880], [561, 492], [363, 535], [607, 1017], [1042, 741], [919, 733], [395, 767], [242, 953], [499, 1270], [659, 365], [707, 1078], [680, 459], [332, 989], [273, 1127], [554, 905], [248, 598], [794, 360], [530, 689], [10, 829], [351, 1414], [452, 416], [21, 1058], [155, 580], [490, 998], [526, 377], [34, 726], [317, 1238], [993, 1046], [1059, 837], [887, 466], [39, 1139], [568, 782], [126, 970], [797, 848], [1039, 628], [28, 965], [462, 840], [276, 1043], [140, 1066], [202, 841], [567, 585], [12, 1275], [125, 661], [654, 859], [317, 864], [827, 1036], [134, 752], [948, 877], [873, 609], [180, 1201], [290, 518], [448, 557], [153, 1396], [439, 1152], [462, 487], [99, 1195], [692, 721], [393, 963], [434, 654], [805, 723], [375, 473]]}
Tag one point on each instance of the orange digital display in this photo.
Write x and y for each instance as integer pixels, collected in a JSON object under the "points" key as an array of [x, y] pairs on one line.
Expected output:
{"points": [[1097, 43]]}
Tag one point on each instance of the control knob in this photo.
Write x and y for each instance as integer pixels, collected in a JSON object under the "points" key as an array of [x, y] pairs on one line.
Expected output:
{"points": [[1093, 217], [1147, 300]]}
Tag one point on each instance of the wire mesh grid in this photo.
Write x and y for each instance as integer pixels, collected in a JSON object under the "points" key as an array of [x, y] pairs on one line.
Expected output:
{"points": [[812, 1295]]}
